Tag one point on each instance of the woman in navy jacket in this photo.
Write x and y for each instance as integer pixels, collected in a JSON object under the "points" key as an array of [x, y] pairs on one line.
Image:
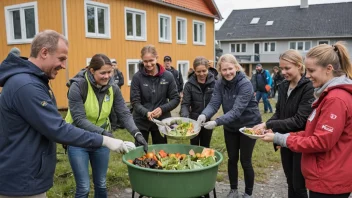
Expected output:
{"points": [[235, 93], [196, 96]]}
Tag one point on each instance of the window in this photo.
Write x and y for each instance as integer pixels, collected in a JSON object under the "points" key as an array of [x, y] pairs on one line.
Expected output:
{"points": [[300, 45], [132, 68], [255, 20], [323, 42], [198, 32], [269, 23], [238, 47], [21, 22], [97, 19], [181, 30], [164, 28], [183, 67], [269, 46], [135, 24], [88, 61]]}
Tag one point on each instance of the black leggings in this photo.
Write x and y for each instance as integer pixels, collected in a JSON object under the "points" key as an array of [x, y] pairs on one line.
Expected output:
{"points": [[240, 147], [291, 163], [321, 195], [203, 138]]}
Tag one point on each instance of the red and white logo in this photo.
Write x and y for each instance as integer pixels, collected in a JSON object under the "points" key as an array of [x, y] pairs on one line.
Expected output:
{"points": [[333, 116], [327, 128]]}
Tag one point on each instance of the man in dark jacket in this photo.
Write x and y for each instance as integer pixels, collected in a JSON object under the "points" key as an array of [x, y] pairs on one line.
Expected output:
{"points": [[30, 122], [177, 74], [260, 79]]}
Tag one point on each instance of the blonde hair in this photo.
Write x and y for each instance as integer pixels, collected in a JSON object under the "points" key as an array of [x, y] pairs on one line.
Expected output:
{"points": [[229, 58], [149, 49], [336, 55], [200, 60], [294, 57]]}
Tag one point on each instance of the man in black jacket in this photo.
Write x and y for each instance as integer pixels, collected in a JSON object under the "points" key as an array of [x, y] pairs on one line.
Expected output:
{"points": [[177, 74]]}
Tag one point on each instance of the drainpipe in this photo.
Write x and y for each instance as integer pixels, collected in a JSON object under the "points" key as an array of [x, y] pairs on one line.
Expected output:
{"points": [[64, 29]]}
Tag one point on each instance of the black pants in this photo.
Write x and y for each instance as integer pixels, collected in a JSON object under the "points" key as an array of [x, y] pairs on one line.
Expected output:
{"points": [[156, 137], [203, 138], [114, 120], [291, 163], [321, 195], [240, 147]]}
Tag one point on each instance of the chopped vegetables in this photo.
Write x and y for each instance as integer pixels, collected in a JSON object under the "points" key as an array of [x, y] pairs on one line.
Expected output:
{"points": [[180, 128], [176, 161], [251, 131]]}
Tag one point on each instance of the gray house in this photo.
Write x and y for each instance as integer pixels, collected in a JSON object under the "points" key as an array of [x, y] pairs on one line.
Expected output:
{"points": [[261, 35]]}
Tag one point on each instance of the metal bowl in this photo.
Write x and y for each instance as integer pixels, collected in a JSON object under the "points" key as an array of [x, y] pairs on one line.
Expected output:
{"points": [[171, 183], [163, 131]]}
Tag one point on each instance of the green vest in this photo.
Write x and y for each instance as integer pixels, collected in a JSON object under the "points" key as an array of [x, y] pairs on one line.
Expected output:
{"points": [[91, 107]]}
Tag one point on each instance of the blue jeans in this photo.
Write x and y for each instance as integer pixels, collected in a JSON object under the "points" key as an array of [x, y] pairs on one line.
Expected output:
{"points": [[79, 160], [266, 102]]}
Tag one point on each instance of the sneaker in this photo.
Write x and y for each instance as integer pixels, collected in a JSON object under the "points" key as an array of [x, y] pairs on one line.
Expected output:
{"points": [[245, 195], [233, 194]]}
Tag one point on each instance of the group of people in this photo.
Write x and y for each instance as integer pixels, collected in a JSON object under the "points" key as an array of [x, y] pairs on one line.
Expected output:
{"points": [[311, 125]]}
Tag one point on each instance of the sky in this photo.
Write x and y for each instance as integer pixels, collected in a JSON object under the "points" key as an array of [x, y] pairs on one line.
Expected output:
{"points": [[226, 6]]}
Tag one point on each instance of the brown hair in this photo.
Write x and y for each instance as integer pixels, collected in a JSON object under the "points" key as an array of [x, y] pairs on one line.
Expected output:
{"points": [[230, 59], [200, 60], [294, 57], [336, 55], [48, 39], [149, 49], [98, 61]]}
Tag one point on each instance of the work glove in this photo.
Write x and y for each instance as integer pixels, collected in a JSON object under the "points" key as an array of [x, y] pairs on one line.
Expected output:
{"points": [[210, 125], [140, 141], [109, 134], [114, 144], [130, 145], [201, 119]]}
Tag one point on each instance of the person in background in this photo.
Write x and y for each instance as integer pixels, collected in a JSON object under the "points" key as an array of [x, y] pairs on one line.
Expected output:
{"points": [[15, 51], [196, 96], [277, 79], [234, 92], [292, 111], [119, 81], [153, 94], [177, 74], [326, 141], [261, 80], [31, 123], [92, 98]]}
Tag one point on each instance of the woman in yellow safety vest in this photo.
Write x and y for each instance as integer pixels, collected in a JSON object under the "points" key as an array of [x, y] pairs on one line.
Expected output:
{"points": [[92, 96]]}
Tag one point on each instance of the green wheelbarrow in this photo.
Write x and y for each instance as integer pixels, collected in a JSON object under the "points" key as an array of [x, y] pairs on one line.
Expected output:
{"points": [[158, 183]]}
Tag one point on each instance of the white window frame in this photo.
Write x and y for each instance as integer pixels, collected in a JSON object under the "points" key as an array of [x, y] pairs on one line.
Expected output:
{"points": [[184, 31], [9, 25], [167, 28], [255, 20], [269, 47], [323, 40], [88, 61], [240, 52], [304, 45], [204, 32], [129, 61], [143, 13], [184, 76], [107, 23]]}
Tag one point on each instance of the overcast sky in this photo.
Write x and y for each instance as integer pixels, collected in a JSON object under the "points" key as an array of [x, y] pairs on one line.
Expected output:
{"points": [[226, 6]]}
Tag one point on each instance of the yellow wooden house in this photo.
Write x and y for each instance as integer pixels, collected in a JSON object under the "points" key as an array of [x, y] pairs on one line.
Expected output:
{"points": [[182, 29]]}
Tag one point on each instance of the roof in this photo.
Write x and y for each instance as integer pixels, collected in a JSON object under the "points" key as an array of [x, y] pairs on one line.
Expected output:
{"points": [[202, 7], [316, 21]]}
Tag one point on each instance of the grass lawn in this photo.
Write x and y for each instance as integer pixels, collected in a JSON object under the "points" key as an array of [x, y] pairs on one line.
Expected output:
{"points": [[117, 177]]}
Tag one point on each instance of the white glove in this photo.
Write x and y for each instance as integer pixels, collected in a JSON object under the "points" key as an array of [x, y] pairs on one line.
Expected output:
{"points": [[201, 119], [210, 125], [130, 145], [114, 144]]}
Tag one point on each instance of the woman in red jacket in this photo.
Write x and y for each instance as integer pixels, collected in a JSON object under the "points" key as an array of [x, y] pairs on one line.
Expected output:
{"points": [[326, 142]]}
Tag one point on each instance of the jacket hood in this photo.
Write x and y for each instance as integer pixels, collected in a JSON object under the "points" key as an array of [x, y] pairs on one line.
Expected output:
{"points": [[13, 65], [342, 82], [193, 79], [161, 69], [304, 80], [214, 72], [81, 76]]}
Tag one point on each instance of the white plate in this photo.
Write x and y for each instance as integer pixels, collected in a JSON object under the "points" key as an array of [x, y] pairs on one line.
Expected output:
{"points": [[249, 135]]}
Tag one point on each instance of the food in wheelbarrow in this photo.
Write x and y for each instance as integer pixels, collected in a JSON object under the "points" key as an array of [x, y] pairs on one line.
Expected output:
{"points": [[180, 128], [176, 161]]}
